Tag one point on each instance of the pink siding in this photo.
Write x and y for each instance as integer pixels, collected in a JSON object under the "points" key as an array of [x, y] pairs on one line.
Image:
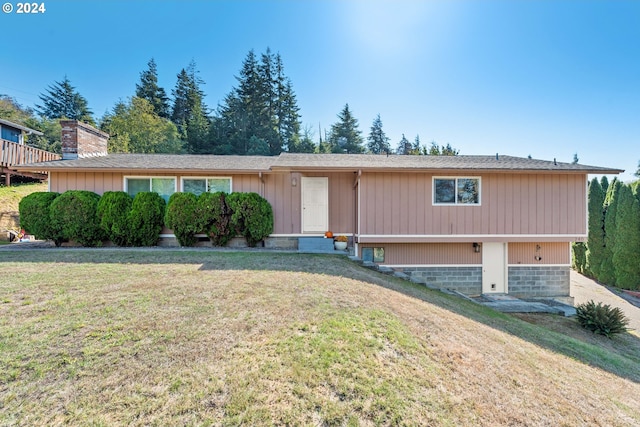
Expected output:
{"points": [[550, 253], [428, 253], [98, 182], [515, 204]]}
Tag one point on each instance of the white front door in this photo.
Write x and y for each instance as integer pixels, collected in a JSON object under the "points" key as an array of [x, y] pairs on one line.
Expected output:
{"points": [[315, 204], [494, 268]]}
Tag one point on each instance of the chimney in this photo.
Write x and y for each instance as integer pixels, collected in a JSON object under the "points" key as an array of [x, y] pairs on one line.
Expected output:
{"points": [[80, 140]]}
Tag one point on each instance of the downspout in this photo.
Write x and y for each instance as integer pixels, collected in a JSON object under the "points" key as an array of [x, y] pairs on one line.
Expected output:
{"points": [[356, 212], [261, 184]]}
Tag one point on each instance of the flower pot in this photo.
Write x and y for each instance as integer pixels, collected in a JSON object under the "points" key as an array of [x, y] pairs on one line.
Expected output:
{"points": [[340, 246]]}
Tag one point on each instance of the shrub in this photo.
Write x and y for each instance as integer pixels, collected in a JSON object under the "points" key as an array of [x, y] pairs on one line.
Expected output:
{"points": [[579, 259], [252, 216], [602, 319], [35, 218], [146, 218], [113, 216], [74, 214], [182, 217], [215, 217]]}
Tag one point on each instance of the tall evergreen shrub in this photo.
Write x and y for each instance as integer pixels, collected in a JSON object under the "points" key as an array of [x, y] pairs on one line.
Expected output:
{"points": [[35, 217], [113, 216], [579, 259], [607, 271], [182, 217], [595, 241], [146, 218], [626, 253], [215, 218], [252, 216], [74, 214]]}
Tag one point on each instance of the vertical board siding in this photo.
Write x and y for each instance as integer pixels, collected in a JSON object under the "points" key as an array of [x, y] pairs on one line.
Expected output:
{"points": [[551, 253], [428, 253], [401, 203]]}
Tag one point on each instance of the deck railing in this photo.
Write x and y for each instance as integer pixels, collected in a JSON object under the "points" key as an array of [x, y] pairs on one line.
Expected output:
{"points": [[13, 154]]}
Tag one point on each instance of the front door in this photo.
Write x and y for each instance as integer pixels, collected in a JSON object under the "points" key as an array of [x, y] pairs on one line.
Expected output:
{"points": [[315, 204], [494, 268]]}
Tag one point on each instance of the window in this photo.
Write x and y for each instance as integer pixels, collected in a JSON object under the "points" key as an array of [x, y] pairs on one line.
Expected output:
{"points": [[165, 187], [198, 186], [373, 254], [456, 191], [10, 134]]}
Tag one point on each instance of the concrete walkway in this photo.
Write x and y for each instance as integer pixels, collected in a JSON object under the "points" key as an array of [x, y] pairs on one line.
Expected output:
{"points": [[584, 289]]}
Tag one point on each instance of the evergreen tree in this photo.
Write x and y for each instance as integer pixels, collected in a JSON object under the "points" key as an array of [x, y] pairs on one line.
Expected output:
{"points": [[604, 183], [626, 252], [378, 142], [148, 89], [638, 171], [345, 136], [304, 144], [197, 132], [607, 271], [136, 128], [437, 150], [416, 148], [186, 96], [62, 101], [404, 146], [263, 105], [595, 242], [575, 159]]}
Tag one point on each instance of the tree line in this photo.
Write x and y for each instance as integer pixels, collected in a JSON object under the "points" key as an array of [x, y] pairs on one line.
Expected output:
{"points": [[260, 116], [612, 250]]}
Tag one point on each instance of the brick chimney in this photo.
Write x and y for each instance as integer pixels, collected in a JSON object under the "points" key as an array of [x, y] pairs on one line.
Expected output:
{"points": [[81, 140]]}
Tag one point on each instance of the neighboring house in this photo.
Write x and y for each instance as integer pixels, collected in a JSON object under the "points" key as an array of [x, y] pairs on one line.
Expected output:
{"points": [[14, 152], [476, 224]]}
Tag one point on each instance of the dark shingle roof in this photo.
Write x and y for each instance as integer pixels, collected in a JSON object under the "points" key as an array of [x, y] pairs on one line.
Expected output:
{"points": [[312, 162]]}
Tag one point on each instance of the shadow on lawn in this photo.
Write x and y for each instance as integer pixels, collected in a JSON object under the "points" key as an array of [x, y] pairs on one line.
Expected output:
{"points": [[610, 355]]}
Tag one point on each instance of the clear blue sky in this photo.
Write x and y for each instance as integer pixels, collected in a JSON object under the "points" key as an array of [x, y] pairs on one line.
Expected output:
{"points": [[540, 78]]}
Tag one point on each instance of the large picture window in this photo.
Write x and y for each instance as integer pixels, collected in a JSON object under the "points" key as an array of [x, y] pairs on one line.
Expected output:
{"points": [[198, 185], [456, 191], [164, 186]]}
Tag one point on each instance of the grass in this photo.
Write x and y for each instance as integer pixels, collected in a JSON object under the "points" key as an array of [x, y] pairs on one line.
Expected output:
{"points": [[178, 337]]}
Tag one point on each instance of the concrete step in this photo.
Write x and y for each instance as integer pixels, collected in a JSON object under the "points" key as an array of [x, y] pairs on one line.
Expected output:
{"points": [[317, 245]]}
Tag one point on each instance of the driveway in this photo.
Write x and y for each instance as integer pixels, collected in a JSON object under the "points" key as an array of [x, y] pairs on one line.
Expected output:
{"points": [[584, 289]]}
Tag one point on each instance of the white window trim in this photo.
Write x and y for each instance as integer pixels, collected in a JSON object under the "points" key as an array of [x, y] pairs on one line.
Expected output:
{"points": [[149, 177], [456, 178], [230, 178]]}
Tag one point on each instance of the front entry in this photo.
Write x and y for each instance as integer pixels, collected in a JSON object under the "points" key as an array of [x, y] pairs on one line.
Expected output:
{"points": [[315, 204], [494, 268]]}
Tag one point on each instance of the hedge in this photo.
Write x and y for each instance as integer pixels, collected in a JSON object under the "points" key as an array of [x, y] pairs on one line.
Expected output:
{"points": [[252, 216], [113, 217], [146, 218], [74, 214], [214, 217], [182, 217], [35, 218]]}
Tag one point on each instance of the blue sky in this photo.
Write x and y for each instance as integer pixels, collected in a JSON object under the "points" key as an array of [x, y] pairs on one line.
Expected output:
{"points": [[540, 78]]}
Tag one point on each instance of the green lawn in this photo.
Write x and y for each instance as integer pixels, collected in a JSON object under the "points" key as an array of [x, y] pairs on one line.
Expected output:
{"points": [[106, 337]]}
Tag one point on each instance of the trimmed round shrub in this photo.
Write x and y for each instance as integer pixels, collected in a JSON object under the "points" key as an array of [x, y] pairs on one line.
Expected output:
{"points": [[146, 218], [252, 216], [215, 217], [182, 217], [601, 319], [74, 214], [113, 216], [35, 218]]}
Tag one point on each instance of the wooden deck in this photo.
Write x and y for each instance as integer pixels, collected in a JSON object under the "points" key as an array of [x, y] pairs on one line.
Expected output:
{"points": [[13, 154]]}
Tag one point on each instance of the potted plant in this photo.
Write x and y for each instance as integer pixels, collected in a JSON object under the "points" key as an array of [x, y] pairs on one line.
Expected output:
{"points": [[340, 243]]}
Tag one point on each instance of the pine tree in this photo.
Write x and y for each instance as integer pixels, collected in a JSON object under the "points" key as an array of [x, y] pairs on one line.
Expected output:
{"points": [[626, 252], [575, 159], [638, 171], [404, 146], [345, 137], [607, 271], [190, 112], [416, 148], [148, 89], [62, 101], [595, 242], [378, 142]]}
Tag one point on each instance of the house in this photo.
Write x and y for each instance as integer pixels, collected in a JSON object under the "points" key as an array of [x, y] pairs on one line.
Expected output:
{"points": [[475, 224], [14, 151]]}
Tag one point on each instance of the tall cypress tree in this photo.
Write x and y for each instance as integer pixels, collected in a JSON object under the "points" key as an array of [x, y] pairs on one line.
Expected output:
{"points": [[62, 101], [595, 241], [345, 137], [626, 252], [378, 142], [148, 89], [607, 271]]}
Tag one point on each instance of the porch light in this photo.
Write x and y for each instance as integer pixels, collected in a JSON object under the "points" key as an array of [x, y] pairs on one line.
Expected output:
{"points": [[476, 247], [294, 182]]}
